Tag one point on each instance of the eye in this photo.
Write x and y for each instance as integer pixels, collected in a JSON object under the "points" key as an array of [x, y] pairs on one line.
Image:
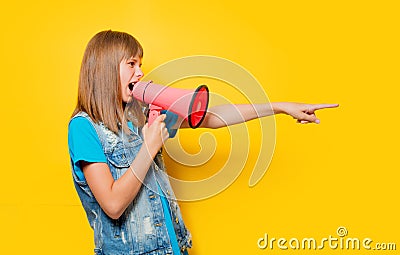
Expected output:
{"points": [[131, 63]]}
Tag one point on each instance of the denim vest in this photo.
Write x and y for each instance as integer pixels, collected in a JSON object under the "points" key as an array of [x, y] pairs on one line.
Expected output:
{"points": [[141, 229]]}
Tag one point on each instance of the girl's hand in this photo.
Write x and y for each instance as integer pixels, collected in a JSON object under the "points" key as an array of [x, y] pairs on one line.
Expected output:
{"points": [[304, 113], [155, 135]]}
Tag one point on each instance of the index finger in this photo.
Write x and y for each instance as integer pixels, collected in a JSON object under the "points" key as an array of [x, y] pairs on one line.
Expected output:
{"points": [[323, 106]]}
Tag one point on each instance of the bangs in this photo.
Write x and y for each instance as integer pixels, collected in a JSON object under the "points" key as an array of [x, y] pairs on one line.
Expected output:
{"points": [[132, 48]]}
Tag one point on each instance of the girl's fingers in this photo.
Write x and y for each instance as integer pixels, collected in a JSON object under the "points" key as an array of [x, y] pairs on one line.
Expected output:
{"points": [[315, 107], [308, 118], [161, 118]]}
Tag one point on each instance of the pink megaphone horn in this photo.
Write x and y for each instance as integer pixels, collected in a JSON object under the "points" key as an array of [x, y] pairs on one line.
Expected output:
{"points": [[189, 104]]}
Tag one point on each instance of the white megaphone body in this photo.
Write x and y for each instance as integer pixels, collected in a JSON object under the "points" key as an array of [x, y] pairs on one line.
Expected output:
{"points": [[191, 105]]}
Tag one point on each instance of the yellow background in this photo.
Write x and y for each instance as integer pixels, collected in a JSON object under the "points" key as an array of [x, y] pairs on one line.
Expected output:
{"points": [[343, 172]]}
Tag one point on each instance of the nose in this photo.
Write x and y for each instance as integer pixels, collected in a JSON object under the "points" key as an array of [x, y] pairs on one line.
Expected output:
{"points": [[138, 72]]}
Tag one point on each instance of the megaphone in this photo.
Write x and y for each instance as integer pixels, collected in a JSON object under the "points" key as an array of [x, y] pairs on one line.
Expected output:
{"points": [[189, 104]]}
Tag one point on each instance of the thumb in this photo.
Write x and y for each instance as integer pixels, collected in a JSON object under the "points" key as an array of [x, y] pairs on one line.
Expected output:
{"points": [[161, 117]]}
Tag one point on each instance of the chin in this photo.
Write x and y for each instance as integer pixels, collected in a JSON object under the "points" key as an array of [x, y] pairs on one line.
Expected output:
{"points": [[127, 99]]}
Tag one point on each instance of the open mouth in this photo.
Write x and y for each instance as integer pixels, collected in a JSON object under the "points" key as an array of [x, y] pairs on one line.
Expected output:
{"points": [[131, 85]]}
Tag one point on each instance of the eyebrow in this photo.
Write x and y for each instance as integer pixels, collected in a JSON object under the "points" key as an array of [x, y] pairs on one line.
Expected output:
{"points": [[135, 59]]}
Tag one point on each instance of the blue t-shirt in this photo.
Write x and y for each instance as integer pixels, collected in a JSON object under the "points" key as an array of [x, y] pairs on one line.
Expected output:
{"points": [[84, 145]]}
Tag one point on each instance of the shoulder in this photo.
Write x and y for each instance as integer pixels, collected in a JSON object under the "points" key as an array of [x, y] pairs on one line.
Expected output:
{"points": [[80, 124], [79, 121], [81, 118], [82, 135], [81, 127]]}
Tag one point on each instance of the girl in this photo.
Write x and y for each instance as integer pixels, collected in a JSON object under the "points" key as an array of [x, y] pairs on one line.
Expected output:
{"points": [[118, 171]]}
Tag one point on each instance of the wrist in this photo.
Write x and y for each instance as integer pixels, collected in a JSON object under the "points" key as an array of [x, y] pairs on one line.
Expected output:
{"points": [[150, 149], [278, 107]]}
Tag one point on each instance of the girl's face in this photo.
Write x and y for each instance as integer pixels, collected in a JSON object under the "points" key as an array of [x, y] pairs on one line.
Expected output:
{"points": [[129, 72]]}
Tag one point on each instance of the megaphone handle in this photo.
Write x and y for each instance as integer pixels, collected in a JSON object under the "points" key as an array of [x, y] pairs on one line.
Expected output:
{"points": [[154, 112]]}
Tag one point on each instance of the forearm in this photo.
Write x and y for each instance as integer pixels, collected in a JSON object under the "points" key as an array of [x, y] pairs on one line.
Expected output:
{"points": [[230, 114], [114, 196], [125, 189]]}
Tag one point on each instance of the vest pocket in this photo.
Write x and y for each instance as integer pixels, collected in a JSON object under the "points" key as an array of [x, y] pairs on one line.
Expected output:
{"points": [[98, 251], [117, 228], [119, 159], [123, 154]]}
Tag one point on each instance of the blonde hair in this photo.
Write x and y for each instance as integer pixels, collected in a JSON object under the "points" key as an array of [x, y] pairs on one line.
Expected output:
{"points": [[99, 91]]}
